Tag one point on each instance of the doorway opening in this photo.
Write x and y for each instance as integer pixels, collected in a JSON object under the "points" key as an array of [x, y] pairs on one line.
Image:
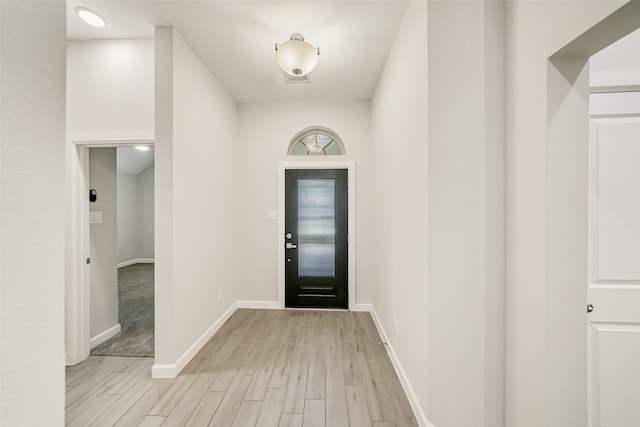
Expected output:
{"points": [[126, 291], [109, 251]]}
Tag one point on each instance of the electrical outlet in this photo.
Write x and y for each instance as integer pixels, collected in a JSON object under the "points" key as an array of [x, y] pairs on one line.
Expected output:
{"points": [[220, 295], [395, 325]]}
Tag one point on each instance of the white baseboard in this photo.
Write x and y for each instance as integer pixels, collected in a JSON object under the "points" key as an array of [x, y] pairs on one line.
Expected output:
{"points": [[362, 307], [136, 261], [267, 305], [402, 376], [171, 370], [105, 335]]}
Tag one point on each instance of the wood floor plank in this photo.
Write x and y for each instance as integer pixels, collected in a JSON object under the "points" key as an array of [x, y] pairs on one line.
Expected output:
{"points": [[282, 368], [333, 353], [317, 367], [331, 321], [375, 393], [345, 327], [80, 372], [231, 402], [314, 415], [363, 348], [384, 424], [260, 380], [151, 421], [94, 378], [183, 409], [269, 328], [297, 386], [140, 370], [336, 401], [271, 408], [93, 394], [141, 407], [205, 409], [357, 406], [97, 408], [350, 364], [254, 329], [403, 414], [121, 406], [255, 354], [291, 332], [247, 413], [177, 390], [230, 369], [290, 420]]}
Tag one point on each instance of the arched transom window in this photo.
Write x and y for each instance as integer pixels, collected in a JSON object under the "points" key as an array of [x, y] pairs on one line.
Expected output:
{"points": [[316, 141]]}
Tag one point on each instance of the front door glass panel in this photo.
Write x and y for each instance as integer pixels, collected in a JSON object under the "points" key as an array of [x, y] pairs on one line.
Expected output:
{"points": [[316, 228]]}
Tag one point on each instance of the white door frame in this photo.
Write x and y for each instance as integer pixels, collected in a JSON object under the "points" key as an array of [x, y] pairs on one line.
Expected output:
{"points": [[77, 297], [350, 166]]}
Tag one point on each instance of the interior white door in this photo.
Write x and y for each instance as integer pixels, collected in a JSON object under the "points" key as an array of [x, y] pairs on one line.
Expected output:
{"points": [[614, 260]]}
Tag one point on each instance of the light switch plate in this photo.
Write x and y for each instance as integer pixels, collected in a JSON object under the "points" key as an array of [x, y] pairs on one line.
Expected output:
{"points": [[273, 215], [95, 217]]}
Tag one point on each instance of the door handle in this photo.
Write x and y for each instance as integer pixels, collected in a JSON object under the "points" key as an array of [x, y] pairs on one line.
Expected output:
{"points": [[291, 246], [589, 308]]}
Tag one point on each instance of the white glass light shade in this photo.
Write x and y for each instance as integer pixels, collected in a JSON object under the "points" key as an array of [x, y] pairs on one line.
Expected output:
{"points": [[91, 17], [297, 57]]}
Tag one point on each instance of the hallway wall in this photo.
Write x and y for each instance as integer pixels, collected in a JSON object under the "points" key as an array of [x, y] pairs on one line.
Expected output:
{"points": [[103, 243], [264, 132], [398, 214], [545, 348], [196, 199], [110, 89], [135, 215], [32, 221]]}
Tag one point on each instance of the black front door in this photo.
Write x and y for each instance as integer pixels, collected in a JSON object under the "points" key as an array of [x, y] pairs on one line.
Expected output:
{"points": [[316, 233]]}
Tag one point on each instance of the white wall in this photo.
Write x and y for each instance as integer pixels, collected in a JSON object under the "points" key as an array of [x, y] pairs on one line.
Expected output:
{"points": [[547, 123], [110, 92], [32, 69], [146, 197], [135, 215], [128, 235], [196, 198], [397, 224], [103, 241], [466, 202], [263, 135]]}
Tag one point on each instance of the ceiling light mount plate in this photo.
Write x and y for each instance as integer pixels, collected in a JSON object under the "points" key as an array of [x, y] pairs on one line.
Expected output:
{"points": [[297, 57]]}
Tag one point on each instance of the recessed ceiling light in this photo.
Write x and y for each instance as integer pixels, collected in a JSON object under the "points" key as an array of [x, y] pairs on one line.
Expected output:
{"points": [[89, 16], [142, 147]]}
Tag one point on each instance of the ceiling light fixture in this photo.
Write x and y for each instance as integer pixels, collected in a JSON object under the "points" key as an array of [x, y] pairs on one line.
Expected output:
{"points": [[142, 147], [297, 57], [91, 17]]}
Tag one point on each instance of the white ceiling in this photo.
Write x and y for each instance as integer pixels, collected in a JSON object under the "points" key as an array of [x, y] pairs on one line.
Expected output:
{"points": [[236, 39], [133, 161]]}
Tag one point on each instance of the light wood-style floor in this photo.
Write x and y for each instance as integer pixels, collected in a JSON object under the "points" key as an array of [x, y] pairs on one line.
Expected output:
{"points": [[263, 367]]}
